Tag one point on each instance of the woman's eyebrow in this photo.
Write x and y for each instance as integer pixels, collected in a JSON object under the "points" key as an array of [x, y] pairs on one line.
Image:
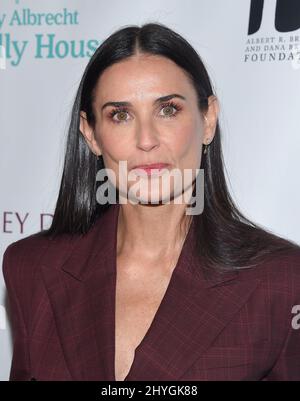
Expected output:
{"points": [[156, 101]]}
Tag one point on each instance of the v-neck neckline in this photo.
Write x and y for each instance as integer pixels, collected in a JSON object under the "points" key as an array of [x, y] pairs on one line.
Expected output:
{"points": [[178, 267]]}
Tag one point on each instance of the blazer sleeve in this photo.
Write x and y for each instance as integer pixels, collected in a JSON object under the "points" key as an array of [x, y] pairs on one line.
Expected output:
{"points": [[20, 365], [287, 366]]}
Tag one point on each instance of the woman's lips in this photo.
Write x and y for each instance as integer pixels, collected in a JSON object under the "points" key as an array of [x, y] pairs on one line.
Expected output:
{"points": [[152, 168]]}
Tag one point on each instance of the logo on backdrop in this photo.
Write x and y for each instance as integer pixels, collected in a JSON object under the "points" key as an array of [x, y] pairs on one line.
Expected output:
{"points": [[286, 17], [272, 32], [18, 43]]}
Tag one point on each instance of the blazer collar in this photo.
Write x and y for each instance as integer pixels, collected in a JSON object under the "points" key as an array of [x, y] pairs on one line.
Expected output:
{"points": [[80, 254], [79, 273]]}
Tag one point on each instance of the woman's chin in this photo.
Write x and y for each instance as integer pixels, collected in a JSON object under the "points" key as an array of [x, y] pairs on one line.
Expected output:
{"points": [[149, 199]]}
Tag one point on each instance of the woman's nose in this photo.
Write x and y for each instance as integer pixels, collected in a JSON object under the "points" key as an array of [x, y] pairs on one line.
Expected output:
{"points": [[147, 136]]}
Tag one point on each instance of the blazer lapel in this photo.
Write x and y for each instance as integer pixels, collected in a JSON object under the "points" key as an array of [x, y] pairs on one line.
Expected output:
{"points": [[189, 319], [193, 312], [80, 276]]}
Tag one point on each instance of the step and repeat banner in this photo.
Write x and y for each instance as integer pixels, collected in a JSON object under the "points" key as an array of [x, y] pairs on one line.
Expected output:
{"points": [[251, 50]]}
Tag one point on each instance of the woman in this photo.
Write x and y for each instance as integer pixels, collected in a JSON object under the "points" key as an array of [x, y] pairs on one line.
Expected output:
{"points": [[143, 290]]}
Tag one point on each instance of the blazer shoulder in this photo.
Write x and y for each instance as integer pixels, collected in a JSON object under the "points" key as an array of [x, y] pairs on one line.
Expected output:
{"points": [[285, 265], [279, 273], [30, 244], [22, 257], [24, 251]]}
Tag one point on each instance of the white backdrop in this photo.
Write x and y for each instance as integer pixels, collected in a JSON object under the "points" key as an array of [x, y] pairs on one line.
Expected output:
{"points": [[256, 78]]}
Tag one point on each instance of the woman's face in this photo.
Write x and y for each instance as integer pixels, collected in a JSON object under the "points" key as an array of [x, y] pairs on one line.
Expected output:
{"points": [[148, 129]]}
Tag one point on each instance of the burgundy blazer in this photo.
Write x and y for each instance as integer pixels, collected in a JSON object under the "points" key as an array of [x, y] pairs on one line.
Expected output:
{"points": [[232, 327]]}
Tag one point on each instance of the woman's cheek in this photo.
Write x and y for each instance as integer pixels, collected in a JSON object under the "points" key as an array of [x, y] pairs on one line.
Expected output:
{"points": [[185, 142]]}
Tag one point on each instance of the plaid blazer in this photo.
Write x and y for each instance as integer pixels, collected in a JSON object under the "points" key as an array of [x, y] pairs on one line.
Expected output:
{"points": [[236, 326]]}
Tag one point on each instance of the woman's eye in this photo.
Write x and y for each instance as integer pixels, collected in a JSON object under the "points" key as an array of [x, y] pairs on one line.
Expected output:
{"points": [[121, 116], [168, 110], [118, 116]]}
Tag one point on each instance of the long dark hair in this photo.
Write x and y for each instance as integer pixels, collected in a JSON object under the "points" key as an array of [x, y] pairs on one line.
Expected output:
{"points": [[226, 239]]}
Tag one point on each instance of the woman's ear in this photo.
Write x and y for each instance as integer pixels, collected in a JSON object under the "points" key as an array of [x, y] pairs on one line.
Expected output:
{"points": [[89, 135], [211, 118]]}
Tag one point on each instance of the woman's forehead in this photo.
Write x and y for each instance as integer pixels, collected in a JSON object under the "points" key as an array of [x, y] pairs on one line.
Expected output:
{"points": [[142, 81]]}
